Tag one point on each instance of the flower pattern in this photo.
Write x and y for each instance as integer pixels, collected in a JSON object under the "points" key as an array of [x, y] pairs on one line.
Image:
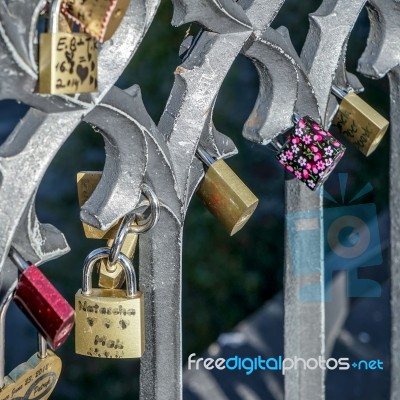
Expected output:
{"points": [[311, 153]]}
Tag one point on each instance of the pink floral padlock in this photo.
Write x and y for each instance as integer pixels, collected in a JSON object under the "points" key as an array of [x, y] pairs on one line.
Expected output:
{"points": [[310, 153]]}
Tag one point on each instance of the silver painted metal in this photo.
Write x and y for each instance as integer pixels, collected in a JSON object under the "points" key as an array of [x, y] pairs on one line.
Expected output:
{"points": [[320, 46], [104, 252], [382, 57], [27, 153], [165, 156], [5, 303], [220, 16], [305, 321], [394, 196], [127, 226]]}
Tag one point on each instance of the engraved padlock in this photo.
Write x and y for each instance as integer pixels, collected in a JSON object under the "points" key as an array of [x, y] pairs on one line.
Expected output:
{"points": [[225, 195], [67, 61], [33, 379], [109, 322], [309, 152], [358, 122], [42, 303], [99, 18]]}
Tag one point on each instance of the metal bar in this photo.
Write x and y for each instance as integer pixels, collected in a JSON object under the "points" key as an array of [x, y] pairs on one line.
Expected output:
{"points": [[394, 79], [304, 323]]}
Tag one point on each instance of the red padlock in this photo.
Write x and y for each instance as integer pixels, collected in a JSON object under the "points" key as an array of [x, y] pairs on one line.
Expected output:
{"points": [[42, 303]]}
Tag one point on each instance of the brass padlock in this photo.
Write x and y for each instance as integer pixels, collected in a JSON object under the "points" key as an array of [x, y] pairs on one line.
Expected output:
{"points": [[67, 61], [99, 18], [34, 379], [87, 182], [109, 322], [225, 194], [359, 122]]}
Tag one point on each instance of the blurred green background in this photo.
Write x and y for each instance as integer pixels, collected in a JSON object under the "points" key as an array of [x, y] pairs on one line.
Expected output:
{"points": [[224, 279]]}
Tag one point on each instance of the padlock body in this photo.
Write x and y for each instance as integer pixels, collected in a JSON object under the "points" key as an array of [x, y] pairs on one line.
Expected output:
{"points": [[43, 304], [99, 18], [34, 379], [109, 324], [87, 182], [67, 63], [227, 197], [113, 277], [310, 153], [360, 123]]}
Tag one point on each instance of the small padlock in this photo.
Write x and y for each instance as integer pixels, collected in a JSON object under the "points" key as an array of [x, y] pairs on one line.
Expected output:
{"points": [[87, 182], [310, 153], [67, 61], [225, 195], [359, 122], [42, 303], [109, 322], [34, 379], [99, 18]]}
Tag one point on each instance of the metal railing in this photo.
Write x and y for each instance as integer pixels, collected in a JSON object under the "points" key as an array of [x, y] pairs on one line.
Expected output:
{"points": [[299, 84]]}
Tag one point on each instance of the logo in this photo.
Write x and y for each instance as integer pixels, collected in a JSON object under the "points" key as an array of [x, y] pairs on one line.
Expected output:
{"points": [[350, 233]]}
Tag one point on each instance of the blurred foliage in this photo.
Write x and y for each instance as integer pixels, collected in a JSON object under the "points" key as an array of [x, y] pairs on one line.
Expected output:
{"points": [[224, 279]]}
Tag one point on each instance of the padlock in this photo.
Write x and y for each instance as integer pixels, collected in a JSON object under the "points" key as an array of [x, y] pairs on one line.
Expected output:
{"points": [[67, 61], [42, 303], [111, 275], [310, 153], [87, 182], [99, 18], [34, 379], [359, 122], [109, 322], [225, 195]]}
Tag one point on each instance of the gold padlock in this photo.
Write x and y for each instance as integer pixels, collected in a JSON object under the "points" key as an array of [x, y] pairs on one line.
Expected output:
{"points": [[225, 194], [35, 378], [67, 61], [87, 182], [109, 322], [359, 122], [99, 18]]}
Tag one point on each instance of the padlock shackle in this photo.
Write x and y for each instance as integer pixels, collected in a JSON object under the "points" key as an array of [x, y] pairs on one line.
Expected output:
{"points": [[104, 252], [127, 226], [55, 10], [42, 346], [204, 156], [5, 303], [339, 92], [18, 260]]}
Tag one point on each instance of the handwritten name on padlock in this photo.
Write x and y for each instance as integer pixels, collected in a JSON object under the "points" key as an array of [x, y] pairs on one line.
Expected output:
{"points": [[71, 65], [108, 327], [33, 380]]}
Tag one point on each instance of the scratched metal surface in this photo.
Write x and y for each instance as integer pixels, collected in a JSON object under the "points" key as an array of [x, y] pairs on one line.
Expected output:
{"points": [[163, 155]]}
